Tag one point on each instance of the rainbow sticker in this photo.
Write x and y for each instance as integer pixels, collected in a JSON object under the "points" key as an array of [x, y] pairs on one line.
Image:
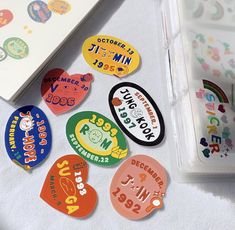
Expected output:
{"points": [[219, 12], [216, 90]]}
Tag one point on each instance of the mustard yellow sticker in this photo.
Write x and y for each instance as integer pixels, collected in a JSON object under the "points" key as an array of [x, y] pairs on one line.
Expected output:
{"points": [[110, 55]]}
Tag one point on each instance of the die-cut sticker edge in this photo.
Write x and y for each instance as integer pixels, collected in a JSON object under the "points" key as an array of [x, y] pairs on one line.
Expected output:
{"points": [[117, 154], [160, 195], [123, 44], [150, 99], [26, 166], [80, 178]]}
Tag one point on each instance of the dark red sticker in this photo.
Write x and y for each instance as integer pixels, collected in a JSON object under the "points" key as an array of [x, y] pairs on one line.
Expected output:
{"points": [[62, 92]]}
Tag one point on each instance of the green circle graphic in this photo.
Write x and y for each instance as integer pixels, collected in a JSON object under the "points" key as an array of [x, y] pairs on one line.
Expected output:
{"points": [[16, 48]]}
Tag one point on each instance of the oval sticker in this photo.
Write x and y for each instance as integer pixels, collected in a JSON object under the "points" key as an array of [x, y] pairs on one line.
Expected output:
{"points": [[137, 114], [28, 137], [5, 17], [66, 189], [16, 48], [59, 6], [110, 55], [39, 11], [96, 138], [138, 187]]}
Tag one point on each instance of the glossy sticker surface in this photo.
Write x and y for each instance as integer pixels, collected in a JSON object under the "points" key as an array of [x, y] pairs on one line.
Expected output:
{"points": [[110, 55], [5, 17], [16, 48], [216, 137], [96, 138], [65, 187], [3, 54], [137, 114], [39, 12], [138, 187], [62, 92], [59, 6], [28, 137]]}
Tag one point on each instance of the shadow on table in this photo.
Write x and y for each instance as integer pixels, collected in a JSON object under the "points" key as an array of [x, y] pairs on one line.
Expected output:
{"points": [[224, 190], [72, 48]]}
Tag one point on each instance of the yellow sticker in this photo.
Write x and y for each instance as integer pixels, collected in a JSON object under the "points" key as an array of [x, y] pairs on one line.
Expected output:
{"points": [[110, 55]]}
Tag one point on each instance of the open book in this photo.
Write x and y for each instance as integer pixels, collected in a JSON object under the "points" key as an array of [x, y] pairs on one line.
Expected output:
{"points": [[30, 33]]}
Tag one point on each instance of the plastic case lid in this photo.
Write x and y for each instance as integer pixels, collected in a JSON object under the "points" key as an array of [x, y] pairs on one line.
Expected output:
{"points": [[201, 85]]}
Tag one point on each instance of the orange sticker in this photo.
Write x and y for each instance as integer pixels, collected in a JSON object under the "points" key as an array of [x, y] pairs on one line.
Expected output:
{"points": [[110, 55], [65, 187], [63, 92], [59, 6], [138, 187], [5, 17]]}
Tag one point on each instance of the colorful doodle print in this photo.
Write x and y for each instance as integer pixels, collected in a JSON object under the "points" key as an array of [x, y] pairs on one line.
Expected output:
{"points": [[215, 57], [217, 141], [39, 11]]}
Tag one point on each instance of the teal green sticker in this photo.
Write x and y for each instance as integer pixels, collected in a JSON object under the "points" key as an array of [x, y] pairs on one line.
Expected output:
{"points": [[96, 138], [16, 48]]}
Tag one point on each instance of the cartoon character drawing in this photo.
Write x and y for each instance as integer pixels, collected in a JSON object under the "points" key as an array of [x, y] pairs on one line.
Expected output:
{"points": [[95, 136], [136, 113], [16, 48], [39, 12], [26, 124]]}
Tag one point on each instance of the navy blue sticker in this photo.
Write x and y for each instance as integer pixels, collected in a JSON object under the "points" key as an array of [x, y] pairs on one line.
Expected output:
{"points": [[28, 137], [39, 11]]}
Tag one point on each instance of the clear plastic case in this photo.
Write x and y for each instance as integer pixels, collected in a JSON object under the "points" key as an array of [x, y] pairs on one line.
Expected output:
{"points": [[199, 38]]}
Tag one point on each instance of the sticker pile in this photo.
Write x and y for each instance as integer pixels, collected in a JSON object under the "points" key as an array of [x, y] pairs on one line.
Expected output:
{"points": [[40, 12], [140, 184]]}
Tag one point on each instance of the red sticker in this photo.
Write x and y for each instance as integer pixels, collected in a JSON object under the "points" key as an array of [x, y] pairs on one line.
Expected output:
{"points": [[5, 17], [63, 92], [138, 187], [65, 187]]}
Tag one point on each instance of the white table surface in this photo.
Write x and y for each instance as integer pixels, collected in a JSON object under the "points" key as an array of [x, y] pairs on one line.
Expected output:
{"points": [[187, 206]]}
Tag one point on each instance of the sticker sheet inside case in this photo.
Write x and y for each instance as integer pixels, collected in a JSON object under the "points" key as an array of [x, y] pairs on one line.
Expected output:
{"points": [[202, 83]]}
